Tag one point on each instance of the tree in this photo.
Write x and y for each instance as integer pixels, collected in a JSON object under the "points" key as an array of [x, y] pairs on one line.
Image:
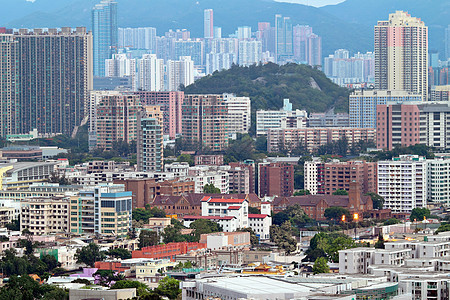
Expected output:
{"points": [[443, 228], [320, 266], [50, 261], [89, 254], [419, 214], [26, 288], [186, 158], [335, 213], [148, 238], [14, 225], [253, 210], [302, 193], [391, 221], [169, 287], [254, 240], [240, 149], [282, 236], [377, 200], [211, 189], [328, 245], [203, 226], [119, 253], [340, 193], [380, 243], [108, 277]]}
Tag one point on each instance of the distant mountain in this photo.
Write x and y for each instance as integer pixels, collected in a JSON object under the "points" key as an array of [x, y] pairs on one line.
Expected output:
{"points": [[346, 25], [435, 14], [173, 14], [267, 86]]}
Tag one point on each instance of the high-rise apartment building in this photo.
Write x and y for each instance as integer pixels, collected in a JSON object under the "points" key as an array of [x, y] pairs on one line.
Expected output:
{"points": [[327, 177], [438, 189], [402, 182], [205, 119], [49, 89], [447, 42], [150, 148], [120, 65], [239, 113], [344, 70], [314, 47], [276, 179], [150, 73], [114, 118], [105, 32], [363, 105], [283, 118], [401, 54], [138, 38], [440, 93], [179, 72], [283, 38], [208, 23], [170, 104], [194, 49], [409, 124], [250, 52]]}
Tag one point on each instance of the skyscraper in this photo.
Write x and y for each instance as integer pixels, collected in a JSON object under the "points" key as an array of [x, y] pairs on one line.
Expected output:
{"points": [[447, 43], [283, 38], [46, 89], [105, 32], [150, 140], [401, 54], [208, 23]]}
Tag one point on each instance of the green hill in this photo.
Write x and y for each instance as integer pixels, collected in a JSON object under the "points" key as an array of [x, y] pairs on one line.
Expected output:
{"points": [[267, 86]]}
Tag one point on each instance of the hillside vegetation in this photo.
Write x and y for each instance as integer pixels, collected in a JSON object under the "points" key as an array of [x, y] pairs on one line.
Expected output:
{"points": [[267, 86]]}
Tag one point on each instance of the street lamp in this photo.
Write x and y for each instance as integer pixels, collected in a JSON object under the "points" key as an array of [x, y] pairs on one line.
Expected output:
{"points": [[355, 218]]}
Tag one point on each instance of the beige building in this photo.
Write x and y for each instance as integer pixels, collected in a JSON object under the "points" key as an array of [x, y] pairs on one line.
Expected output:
{"points": [[401, 54], [42, 216], [205, 121]]}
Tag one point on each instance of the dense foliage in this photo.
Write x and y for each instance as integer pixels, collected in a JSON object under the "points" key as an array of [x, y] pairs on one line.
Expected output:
{"points": [[327, 245], [89, 255], [377, 200], [143, 215], [26, 288], [419, 214]]}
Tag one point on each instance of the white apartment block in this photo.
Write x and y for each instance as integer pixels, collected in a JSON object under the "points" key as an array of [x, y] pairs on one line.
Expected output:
{"points": [[311, 173], [179, 169], [150, 73], [43, 216], [201, 177], [402, 182], [239, 113], [250, 52], [280, 119], [120, 66], [438, 187], [179, 72]]}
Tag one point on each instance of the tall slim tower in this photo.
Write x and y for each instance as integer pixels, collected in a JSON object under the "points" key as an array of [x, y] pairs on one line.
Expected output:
{"points": [[447, 42], [208, 23], [401, 54], [283, 37], [105, 33]]}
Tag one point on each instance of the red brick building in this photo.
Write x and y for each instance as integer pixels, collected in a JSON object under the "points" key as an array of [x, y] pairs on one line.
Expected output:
{"points": [[339, 175], [315, 205], [145, 190], [167, 251], [276, 179]]}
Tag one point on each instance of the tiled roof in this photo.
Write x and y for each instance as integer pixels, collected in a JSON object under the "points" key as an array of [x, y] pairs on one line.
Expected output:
{"points": [[226, 200], [234, 207], [256, 216], [207, 218]]}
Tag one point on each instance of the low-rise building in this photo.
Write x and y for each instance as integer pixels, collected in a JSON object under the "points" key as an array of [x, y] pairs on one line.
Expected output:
{"points": [[42, 216]]}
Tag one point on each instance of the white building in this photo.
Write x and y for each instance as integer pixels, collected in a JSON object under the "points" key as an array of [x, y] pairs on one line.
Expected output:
{"points": [[179, 72], [438, 187], [280, 119], [402, 182], [150, 73], [138, 38], [179, 169], [202, 175], [250, 52], [120, 66], [239, 113], [311, 172], [219, 61]]}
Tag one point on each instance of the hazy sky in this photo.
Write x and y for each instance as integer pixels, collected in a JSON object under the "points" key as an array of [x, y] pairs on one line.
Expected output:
{"points": [[316, 3]]}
